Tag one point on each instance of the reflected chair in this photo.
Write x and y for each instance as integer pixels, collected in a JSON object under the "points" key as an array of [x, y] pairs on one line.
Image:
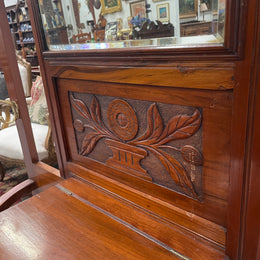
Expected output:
{"points": [[26, 74], [81, 37], [11, 154]]}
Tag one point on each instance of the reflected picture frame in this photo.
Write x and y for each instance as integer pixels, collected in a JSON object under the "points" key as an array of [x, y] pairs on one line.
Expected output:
{"points": [[215, 6], [157, 1], [138, 7], [111, 31], [188, 8], [110, 6], [163, 14]]}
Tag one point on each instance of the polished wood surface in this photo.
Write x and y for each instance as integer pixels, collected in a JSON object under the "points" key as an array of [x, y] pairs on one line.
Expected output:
{"points": [[243, 96], [206, 218], [215, 123], [9, 198], [251, 210], [59, 224], [28, 187], [199, 246]]}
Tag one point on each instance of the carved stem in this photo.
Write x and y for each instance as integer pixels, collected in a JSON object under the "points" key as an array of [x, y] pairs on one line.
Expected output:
{"points": [[176, 170], [169, 147]]}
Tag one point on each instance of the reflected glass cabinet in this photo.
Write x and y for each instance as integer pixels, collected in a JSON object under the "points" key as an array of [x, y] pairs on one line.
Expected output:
{"points": [[143, 102]]}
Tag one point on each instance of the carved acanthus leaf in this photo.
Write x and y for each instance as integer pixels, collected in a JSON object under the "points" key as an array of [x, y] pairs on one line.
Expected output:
{"points": [[89, 143], [154, 126], [94, 122], [176, 170], [180, 127], [153, 140], [96, 111], [80, 107]]}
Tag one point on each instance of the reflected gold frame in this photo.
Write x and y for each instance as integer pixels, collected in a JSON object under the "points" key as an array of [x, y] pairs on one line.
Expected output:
{"points": [[195, 13], [140, 4], [109, 10]]}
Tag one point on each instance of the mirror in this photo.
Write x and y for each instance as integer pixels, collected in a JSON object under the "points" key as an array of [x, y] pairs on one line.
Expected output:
{"points": [[101, 24]]}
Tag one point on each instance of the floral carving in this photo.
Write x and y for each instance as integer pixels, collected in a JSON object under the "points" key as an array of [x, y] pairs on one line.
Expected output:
{"points": [[94, 122], [156, 136], [154, 140]]}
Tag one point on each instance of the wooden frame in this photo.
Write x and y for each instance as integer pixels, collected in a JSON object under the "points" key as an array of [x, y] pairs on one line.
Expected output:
{"points": [[157, 1], [112, 6], [163, 13], [227, 56], [16, 92], [111, 31], [215, 6], [138, 7], [230, 50], [184, 9], [221, 17]]}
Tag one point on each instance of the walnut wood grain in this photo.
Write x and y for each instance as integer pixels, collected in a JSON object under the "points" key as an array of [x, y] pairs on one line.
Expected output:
{"points": [[201, 78], [140, 219], [215, 118], [218, 79], [65, 226], [127, 158], [10, 197], [163, 209], [250, 244], [30, 186], [133, 136]]}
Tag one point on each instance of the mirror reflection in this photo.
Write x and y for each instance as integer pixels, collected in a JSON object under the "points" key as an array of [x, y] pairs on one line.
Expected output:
{"points": [[93, 24]]}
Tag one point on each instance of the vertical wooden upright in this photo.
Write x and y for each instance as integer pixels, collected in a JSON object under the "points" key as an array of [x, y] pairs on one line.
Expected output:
{"points": [[16, 93]]}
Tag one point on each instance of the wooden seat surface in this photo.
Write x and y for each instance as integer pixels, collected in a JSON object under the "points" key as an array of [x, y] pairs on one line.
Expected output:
{"points": [[60, 224]]}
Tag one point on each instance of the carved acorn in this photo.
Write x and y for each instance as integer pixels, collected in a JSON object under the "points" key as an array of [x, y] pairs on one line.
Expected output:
{"points": [[191, 155]]}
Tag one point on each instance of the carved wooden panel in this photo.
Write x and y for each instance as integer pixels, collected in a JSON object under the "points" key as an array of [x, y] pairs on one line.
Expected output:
{"points": [[160, 143]]}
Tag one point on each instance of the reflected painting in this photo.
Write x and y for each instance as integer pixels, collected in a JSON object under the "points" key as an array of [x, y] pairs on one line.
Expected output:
{"points": [[188, 8]]}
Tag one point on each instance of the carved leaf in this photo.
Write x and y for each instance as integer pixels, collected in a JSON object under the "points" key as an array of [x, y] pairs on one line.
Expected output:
{"points": [[78, 125], [96, 111], [180, 127], [177, 172], [157, 122], [89, 143], [80, 107], [191, 155], [154, 126]]}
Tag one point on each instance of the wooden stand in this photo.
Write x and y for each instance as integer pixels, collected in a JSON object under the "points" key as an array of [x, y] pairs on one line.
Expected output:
{"points": [[185, 117]]}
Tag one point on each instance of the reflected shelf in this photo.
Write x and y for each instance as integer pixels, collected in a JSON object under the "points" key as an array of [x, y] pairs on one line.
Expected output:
{"points": [[173, 42]]}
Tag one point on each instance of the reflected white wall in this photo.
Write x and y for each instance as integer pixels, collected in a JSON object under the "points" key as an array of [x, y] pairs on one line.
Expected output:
{"points": [[85, 15], [67, 8]]}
